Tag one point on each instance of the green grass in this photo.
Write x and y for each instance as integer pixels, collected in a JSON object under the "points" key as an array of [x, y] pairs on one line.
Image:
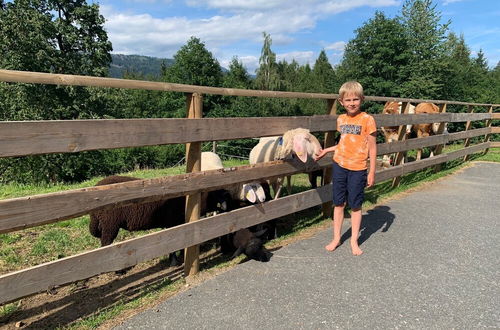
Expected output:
{"points": [[33, 246]]}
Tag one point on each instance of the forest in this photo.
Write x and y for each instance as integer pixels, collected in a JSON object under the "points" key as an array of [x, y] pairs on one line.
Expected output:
{"points": [[412, 55]]}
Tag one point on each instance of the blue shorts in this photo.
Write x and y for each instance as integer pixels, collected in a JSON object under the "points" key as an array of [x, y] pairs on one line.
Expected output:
{"points": [[348, 185]]}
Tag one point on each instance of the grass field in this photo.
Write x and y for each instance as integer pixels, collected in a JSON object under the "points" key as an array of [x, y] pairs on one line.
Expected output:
{"points": [[33, 246]]}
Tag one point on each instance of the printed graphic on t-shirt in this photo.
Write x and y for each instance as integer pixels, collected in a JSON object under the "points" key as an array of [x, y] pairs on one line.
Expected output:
{"points": [[352, 149], [350, 129]]}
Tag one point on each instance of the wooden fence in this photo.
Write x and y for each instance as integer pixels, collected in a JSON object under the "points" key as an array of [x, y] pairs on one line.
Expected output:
{"points": [[69, 136]]}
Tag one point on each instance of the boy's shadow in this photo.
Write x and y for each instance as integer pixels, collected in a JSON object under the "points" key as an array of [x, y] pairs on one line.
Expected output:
{"points": [[378, 218]]}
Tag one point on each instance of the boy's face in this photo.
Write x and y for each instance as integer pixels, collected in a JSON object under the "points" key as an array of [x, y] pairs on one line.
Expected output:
{"points": [[352, 103]]}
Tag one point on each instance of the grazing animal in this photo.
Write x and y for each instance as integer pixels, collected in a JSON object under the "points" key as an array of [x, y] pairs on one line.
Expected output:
{"points": [[424, 130], [297, 142], [391, 132], [105, 224], [249, 243]]}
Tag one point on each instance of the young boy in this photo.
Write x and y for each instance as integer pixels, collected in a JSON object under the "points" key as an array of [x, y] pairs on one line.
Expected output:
{"points": [[357, 143]]}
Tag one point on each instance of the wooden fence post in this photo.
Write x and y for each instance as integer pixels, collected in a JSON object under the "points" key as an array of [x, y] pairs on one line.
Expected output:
{"points": [[439, 147], [468, 124], [194, 102], [400, 156], [331, 109], [489, 123]]}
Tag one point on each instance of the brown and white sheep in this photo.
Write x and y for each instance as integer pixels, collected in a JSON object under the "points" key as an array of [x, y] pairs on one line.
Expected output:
{"points": [[425, 130], [391, 133]]}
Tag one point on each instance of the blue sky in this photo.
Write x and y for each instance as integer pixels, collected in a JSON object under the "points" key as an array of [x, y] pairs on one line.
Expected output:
{"points": [[299, 29]]}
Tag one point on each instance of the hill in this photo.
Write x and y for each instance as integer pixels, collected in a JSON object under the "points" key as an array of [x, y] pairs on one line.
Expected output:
{"points": [[145, 65]]}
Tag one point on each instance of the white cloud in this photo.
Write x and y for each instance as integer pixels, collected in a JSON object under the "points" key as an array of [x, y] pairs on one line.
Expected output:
{"points": [[302, 58], [238, 22]]}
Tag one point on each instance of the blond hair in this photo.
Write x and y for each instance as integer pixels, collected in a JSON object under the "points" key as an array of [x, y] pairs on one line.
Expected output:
{"points": [[351, 87]]}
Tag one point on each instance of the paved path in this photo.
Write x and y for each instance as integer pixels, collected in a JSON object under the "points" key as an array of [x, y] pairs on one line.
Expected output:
{"points": [[431, 261]]}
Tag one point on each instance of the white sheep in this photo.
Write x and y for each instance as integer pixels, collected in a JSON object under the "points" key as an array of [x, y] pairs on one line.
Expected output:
{"points": [[299, 142]]}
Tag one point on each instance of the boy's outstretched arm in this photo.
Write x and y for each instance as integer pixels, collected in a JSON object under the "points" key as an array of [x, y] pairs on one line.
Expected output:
{"points": [[372, 153], [323, 152]]}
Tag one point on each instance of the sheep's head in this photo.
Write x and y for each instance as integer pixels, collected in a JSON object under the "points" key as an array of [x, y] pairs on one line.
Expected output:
{"points": [[301, 143], [253, 192]]}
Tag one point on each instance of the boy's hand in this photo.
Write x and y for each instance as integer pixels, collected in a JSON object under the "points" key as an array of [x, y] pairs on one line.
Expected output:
{"points": [[319, 155], [370, 181]]}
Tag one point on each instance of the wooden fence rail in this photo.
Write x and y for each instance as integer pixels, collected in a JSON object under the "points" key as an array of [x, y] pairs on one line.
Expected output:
{"points": [[19, 138], [75, 80]]}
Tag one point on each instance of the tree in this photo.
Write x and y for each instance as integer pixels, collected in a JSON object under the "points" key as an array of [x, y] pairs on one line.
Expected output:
{"points": [[267, 75], [425, 36], [324, 75], [193, 65], [237, 77], [377, 56], [56, 36]]}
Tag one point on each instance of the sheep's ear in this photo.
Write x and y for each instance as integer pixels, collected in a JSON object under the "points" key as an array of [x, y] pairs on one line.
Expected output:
{"points": [[249, 193], [299, 147], [261, 195]]}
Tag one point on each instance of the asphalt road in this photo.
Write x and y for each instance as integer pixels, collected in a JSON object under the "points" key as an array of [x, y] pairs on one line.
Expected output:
{"points": [[431, 261]]}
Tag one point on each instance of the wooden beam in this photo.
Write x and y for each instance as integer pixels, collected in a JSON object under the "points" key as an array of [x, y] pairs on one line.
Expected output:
{"points": [[387, 148], [31, 211], [75, 80], [402, 134], [439, 147], [468, 124], [69, 136], [489, 123], [193, 201], [331, 109]]}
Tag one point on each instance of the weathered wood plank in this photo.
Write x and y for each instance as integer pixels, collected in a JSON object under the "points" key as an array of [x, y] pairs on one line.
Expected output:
{"points": [[495, 130], [75, 80], [128, 253], [61, 136], [193, 164], [387, 148], [403, 169], [25, 212]]}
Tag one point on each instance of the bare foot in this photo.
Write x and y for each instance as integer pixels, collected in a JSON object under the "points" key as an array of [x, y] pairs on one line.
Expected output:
{"points": [[332, 246], [356, 250]]}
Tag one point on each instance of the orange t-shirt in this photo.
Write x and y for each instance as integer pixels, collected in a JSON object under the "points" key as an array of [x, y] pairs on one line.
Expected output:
{"points": [[352, 151]]}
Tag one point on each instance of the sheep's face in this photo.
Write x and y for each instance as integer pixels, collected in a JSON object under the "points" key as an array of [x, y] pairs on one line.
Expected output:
{"points": [[254, 193], [305, 145]]}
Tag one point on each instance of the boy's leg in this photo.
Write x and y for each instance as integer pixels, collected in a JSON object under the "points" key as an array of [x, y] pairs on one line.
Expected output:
{"points": [[339, 198], [356, 189], [356, 225], [338, 219]]}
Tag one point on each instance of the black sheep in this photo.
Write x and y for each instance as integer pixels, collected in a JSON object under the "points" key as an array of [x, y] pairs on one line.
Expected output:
{"points": [[105, 224], [247, 242]]}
